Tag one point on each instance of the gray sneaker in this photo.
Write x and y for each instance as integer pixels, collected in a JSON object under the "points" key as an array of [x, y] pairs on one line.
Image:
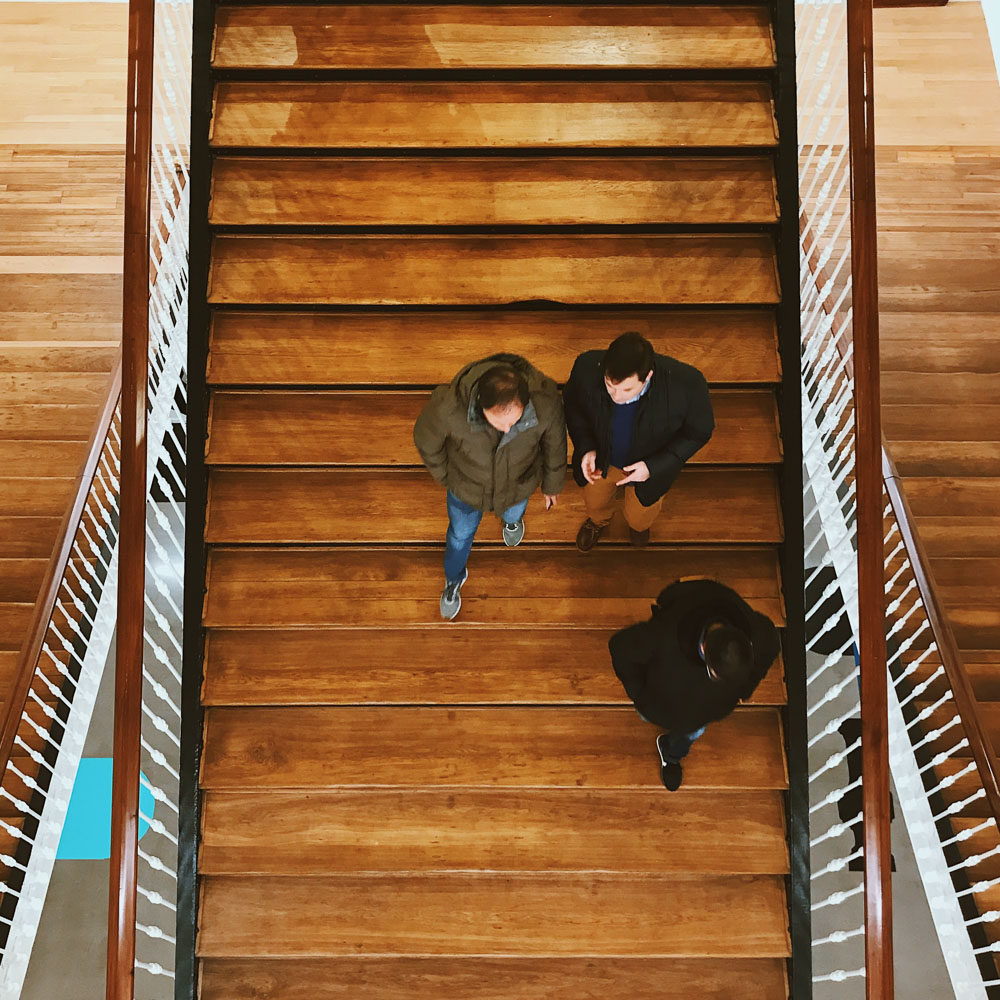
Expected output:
{"points": [[451, 597], [513, 533]]}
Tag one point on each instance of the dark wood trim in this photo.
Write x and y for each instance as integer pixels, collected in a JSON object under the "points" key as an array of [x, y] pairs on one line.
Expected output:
{"points": [[132, 515], [800, 969], [944, 638], [51, 584], [868, 469], [910, 3]]}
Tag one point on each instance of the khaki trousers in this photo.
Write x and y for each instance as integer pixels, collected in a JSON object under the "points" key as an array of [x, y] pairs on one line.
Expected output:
{"points": [[599, 498]]}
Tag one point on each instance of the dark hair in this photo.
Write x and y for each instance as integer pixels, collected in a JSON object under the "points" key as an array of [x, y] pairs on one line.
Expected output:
{"points": [[629, 354], [729, 652], [502, 386]]}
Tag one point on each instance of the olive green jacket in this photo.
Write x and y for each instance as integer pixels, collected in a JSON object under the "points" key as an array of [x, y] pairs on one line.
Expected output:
{"points": [[482, 467]]}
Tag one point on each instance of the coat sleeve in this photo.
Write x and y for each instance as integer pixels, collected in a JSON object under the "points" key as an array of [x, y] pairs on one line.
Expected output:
{"points": [[694, 433], [430, 435], [554, 450], [578, 420], [631, 655]]}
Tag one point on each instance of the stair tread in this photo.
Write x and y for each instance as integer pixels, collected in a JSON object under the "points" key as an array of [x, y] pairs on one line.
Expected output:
{"points": [[931, 421], [378, 746], [28, 537], [619, 978], [254, 427], [492, 830], [929, 496], [493, 270], [946, 458], [418, 115], [960, 536], [489, 914], [554, 666], [400, 586], [498, 37], [401, 505], [479, 192], [414, 348]]}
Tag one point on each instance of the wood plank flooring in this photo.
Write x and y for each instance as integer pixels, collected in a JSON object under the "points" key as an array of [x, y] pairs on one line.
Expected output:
{"points": [[62, 128], [938, 178], [473, 808]]}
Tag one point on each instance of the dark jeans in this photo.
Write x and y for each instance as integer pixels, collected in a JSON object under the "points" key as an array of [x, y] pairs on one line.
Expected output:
{"points": [[463, 522], [678, 744]]}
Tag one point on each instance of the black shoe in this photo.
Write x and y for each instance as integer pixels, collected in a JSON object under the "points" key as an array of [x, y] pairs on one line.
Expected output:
{"points": [[638, 538], [671, 773], [586, 537]]}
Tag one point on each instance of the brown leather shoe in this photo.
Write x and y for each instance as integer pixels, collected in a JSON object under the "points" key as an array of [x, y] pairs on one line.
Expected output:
{"points": [[586, 537], [638, 538]]}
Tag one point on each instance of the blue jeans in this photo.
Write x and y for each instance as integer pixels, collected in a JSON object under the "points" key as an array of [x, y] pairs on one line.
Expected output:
{"points": [[463, 522], [678, 744]]}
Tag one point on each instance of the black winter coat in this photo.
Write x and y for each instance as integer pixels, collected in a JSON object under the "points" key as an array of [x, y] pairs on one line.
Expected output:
{"points": [[658, 662], [674, 420]]}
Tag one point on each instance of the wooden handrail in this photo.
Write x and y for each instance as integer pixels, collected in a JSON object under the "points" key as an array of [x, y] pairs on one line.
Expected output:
{"points": [[49, 591], [132, 515], [868, 470], [944, 638]]}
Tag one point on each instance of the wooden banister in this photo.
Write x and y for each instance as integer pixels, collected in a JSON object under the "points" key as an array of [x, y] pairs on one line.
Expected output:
{"points": [[944, 638], [132, 515], [868, 468], [49, 591]]}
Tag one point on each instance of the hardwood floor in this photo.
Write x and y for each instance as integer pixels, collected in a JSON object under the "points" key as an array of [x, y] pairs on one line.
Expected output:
{"points": [[938, 187], [61, 199]]}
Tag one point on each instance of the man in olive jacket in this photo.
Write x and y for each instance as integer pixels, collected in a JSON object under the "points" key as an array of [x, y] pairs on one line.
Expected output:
{"points": [[635, 418], [491, 438]]}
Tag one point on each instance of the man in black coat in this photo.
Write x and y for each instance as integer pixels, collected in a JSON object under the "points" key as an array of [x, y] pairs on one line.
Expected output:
{"points": [[703, 652], [635, 418]]}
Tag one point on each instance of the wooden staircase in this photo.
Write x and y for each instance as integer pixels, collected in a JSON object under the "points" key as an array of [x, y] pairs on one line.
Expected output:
{"points": [[397, 807]]}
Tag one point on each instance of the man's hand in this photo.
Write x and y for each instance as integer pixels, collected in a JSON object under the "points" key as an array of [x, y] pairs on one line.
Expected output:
{"points": [[550, 500], [638, 472], [588, 465]]}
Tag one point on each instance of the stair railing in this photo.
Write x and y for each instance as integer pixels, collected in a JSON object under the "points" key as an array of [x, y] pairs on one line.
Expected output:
{"points": [[145, 811], [868, 588]]}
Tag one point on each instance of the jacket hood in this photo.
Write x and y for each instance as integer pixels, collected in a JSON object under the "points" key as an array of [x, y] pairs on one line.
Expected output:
{"points": [[465, 382]]}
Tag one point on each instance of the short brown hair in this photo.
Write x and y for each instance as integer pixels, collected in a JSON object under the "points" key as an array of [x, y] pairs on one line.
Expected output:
{"points": [[629, 354], [502, 386]]}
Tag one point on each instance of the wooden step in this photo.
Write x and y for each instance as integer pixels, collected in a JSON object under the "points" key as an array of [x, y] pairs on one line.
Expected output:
{"points": [[493, 914], [943, 458], [939, 389], [492, 270], [58, 356], [923, 421], [396, 36], [491, 830], [22, 496], [47, 421], [23, 388], [496, 979], [15, 617], [28, 537], [478, 192], [932, 496], [407, 665], [415, 348], [515, 115], [374, 746], [335, 428], [42, 458], [536, 587], [705, 505], [960, 536], [21, 579]]}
